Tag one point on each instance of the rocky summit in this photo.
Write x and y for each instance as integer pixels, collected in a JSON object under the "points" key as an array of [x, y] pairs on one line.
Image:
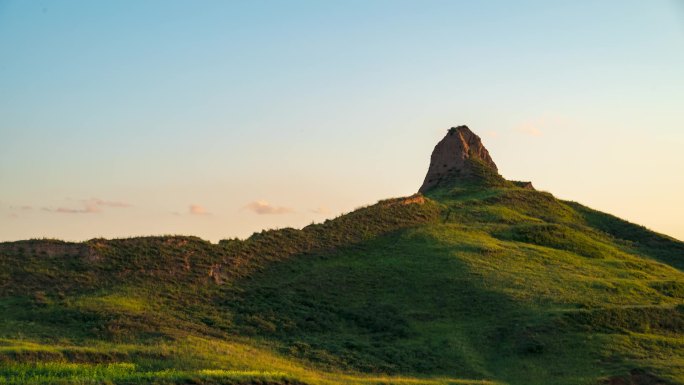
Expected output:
{"points": [[459, 155]]}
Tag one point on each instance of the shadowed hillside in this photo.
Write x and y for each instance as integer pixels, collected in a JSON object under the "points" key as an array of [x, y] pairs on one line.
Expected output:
{"points": [[477, 280]]}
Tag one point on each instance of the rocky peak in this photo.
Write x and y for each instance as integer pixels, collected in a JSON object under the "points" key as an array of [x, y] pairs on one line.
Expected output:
{"points": [[460, 154]]}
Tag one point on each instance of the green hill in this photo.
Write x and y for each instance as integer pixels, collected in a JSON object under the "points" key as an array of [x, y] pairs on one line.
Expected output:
{"points": [[477, 280]]}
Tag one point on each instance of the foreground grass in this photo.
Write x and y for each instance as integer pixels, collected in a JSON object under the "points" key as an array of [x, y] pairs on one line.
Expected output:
{"points": [[65, 373], [69, 373], [57, 370]]}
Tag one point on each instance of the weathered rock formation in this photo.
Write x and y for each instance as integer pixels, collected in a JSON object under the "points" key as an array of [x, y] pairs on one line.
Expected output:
{"points": [[525, 185], [458, 155]]}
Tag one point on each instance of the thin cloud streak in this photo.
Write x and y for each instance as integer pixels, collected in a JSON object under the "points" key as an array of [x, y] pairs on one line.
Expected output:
{"points": [[23, 207], [537, 127], [198, 210], [265, 208], [322, 210], [90, 206], [529, 129], [88, 209], [103, 203], [491, 134]]}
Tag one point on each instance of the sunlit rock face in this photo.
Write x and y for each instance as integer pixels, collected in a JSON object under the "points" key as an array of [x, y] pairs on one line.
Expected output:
{"points": [[452, 155]]}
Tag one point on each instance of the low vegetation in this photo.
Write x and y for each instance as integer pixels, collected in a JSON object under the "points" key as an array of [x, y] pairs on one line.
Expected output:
{"points": [[482, 282]]}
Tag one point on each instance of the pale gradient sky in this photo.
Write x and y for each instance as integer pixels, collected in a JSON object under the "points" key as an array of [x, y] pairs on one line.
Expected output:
{"points": [[218, 119]]}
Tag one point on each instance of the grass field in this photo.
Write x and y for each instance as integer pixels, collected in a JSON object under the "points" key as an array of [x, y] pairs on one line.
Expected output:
{"points": [[477, 283]]}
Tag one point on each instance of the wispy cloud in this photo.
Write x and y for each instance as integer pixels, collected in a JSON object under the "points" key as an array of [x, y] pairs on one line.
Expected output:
{"points": [[16, 210], [491, 134], [198, 210], [70, 210], [265, 208], [322, 210], [103, 203], [88, 206], [23, 208], [529, 129], [539, 126]]}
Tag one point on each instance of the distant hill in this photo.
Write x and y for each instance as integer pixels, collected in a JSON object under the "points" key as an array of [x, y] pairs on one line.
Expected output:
{"points": [[473, 280]]}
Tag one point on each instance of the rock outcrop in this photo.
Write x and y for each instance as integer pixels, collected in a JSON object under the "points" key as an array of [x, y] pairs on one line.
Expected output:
{"points": [[458, 155]]}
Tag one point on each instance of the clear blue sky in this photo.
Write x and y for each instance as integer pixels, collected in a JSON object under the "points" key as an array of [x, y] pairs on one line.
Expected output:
{"points": [[221, 118]]}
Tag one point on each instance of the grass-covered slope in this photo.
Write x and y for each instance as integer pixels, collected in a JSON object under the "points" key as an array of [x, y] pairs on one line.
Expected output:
{"points": [[476, 283]]}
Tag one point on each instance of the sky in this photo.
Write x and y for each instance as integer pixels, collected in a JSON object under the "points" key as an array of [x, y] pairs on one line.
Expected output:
{"points": [[222, 118]]}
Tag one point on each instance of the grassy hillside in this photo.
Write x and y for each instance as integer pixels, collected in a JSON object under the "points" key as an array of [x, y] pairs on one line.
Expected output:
{"points": [[476, 283]]}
